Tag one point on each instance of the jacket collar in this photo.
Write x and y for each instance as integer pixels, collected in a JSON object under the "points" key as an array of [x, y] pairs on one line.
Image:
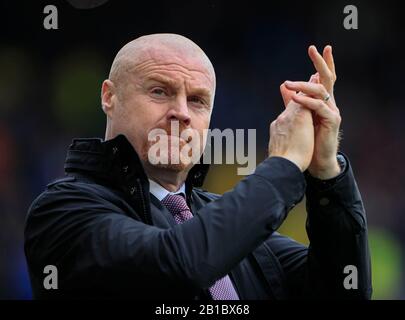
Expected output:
{"points": [[117, 161]]}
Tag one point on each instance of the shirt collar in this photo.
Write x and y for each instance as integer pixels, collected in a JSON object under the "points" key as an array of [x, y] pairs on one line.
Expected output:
{"points": [[159, 192]]}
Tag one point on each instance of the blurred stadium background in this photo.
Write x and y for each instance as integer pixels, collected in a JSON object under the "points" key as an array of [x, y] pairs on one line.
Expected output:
{"points": [[50, 93]]}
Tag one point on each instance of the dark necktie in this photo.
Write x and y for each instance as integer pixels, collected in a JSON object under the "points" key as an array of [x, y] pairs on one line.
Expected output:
{"points": [[223, 288]]}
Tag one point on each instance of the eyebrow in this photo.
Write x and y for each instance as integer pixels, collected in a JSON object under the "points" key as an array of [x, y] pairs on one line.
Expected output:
{"points": [[162, 79]]}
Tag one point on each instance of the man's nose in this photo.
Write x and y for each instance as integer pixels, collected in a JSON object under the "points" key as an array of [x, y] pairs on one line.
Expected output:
{"points": [[179, 111]]}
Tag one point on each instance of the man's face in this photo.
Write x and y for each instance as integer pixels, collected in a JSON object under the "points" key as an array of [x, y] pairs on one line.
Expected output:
{"points": [[165, 89]]}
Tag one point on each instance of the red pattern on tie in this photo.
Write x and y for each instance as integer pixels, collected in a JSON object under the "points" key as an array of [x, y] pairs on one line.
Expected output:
{"points": [[223, 288]]}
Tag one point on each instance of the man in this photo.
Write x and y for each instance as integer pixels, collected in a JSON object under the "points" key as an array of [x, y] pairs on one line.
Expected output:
{"points": [[121, 225]]}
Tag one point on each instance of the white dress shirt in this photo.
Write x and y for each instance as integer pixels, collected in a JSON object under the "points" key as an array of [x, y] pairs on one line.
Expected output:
{"points": [[159, 192]]}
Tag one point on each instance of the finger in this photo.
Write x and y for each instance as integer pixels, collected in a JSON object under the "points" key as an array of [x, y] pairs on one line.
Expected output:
{"points": [[318, 106], [328, 57], [331, 102], [286, 94], [325, 74], [315, 78], [309, 88]]}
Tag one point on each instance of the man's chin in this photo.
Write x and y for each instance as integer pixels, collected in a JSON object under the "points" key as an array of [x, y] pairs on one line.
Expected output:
{"points": [[178, 167]]}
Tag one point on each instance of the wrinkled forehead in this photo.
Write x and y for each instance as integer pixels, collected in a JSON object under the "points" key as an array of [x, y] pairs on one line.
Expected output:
{"points": [[179, 64]]}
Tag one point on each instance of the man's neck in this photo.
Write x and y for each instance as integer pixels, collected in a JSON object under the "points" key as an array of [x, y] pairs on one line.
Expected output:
{"points": [[171, 180]]}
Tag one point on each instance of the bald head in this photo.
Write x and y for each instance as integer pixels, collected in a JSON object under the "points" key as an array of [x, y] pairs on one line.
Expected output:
{"points": [[164, 48], [156, 81]]}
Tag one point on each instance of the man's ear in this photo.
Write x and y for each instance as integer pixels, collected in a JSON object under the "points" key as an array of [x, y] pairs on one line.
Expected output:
{"points": [[107, 97]]}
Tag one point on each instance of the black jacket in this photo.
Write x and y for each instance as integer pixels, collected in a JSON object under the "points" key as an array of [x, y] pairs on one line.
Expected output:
{"points": [[109, 237]]}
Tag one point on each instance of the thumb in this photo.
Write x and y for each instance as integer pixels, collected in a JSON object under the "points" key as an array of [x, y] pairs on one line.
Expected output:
{"points": [[286, 94]]}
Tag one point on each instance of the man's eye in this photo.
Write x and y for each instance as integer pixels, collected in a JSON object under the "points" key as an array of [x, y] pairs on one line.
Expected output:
{"points": [[196, 100], [159, 92]]}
